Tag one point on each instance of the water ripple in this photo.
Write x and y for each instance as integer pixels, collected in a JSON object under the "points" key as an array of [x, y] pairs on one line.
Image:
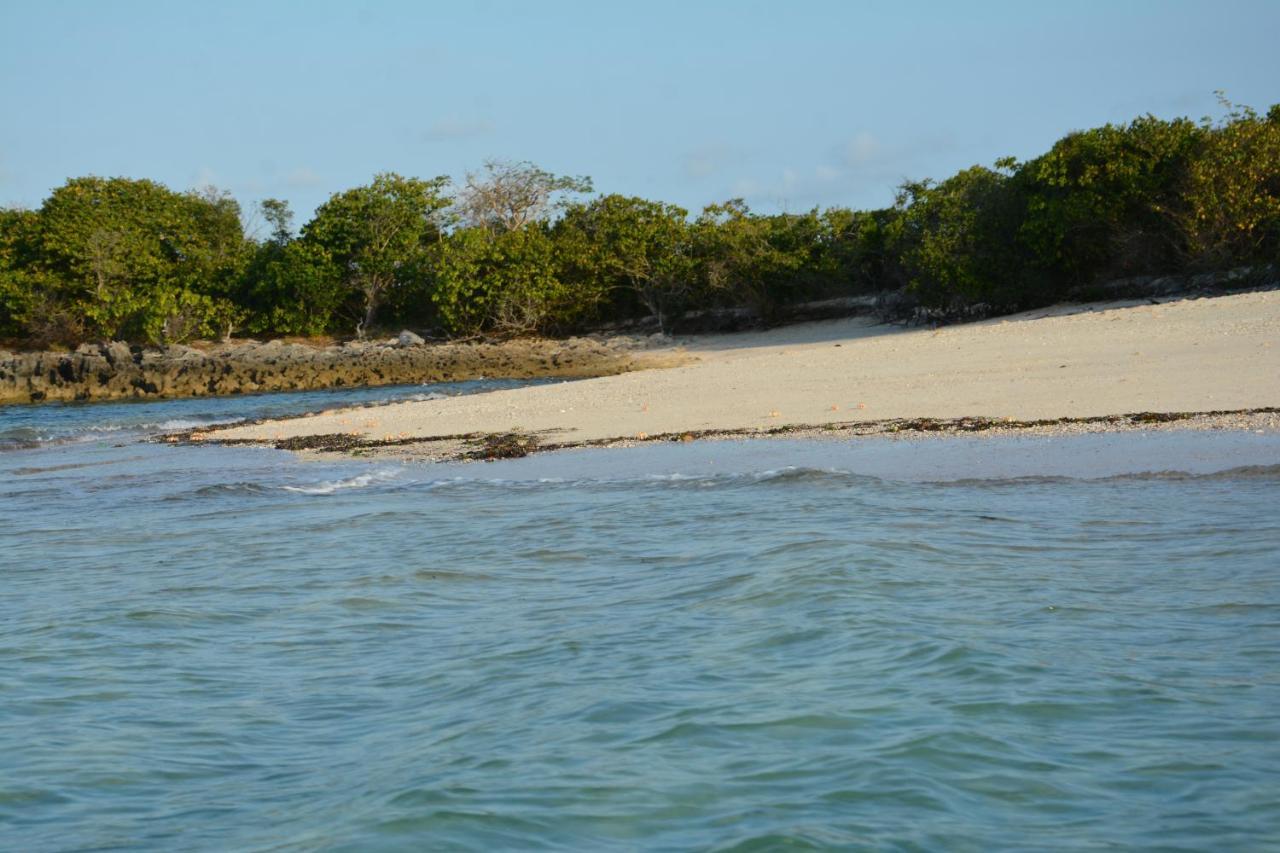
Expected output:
{"points": [[229, 649]]}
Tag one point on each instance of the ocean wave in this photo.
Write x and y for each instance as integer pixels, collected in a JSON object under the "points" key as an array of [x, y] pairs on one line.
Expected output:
{"points": [[780, 478], [21, 438], [786, 476], [1242, 472], [360, 481], [675, 477], [806, 477], [232, 489], [27, 438], [324, 487], [31, 438], [677, 480], [187, 423], [799, 474]]}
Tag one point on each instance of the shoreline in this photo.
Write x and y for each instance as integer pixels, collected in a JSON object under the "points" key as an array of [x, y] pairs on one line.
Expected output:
{"points": [[1007, 456], [1208, 363], [487, 446]]}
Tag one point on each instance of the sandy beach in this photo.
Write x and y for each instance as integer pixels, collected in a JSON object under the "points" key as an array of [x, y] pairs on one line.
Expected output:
{"points": [[1077, 361]]}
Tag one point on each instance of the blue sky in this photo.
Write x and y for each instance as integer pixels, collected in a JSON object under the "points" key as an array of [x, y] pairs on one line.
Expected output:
{"points": [[788, 104]]}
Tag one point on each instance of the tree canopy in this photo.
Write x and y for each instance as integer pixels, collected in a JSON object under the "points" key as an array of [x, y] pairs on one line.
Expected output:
{"points": [[518, 249], [507, 196], [374, 235]]}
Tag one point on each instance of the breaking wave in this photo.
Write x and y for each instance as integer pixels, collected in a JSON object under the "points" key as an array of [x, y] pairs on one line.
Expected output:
{"points": [[360, 481]]}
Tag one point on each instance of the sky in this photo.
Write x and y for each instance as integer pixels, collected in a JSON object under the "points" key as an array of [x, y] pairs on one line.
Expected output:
{"points": [[788, 104]]}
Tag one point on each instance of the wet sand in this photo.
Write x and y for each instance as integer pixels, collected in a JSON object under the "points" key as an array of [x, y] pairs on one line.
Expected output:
{"points": [[1170, 454]]}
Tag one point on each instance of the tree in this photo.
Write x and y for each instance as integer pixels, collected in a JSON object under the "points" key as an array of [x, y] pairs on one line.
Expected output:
{"points": [[860, 251], [507, 196], [617, 241], [507, 282], [958, 240], [212, 262], [279, 217], [20, 292], [122, 251], [1104, 202], [1232, 213], [295, 290], [757, 261], [375, 234]]}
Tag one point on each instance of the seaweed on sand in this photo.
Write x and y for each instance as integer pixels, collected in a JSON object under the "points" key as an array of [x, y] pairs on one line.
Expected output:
{"points": [[505, 445]]}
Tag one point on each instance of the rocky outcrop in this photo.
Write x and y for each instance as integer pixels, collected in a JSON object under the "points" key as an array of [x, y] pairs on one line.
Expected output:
{"points": [[117, 371], [903, 307], [1198, 284], [409, 339]]}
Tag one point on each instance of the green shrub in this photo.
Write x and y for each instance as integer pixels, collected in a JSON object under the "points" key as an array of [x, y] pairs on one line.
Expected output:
{"points": [[504, 281]]}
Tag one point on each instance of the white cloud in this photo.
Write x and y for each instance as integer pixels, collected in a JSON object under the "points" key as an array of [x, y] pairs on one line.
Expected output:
{"points": [[205, 177], [302, 178], [863, 148], [796, 189], [706, 161], [454, 127]]}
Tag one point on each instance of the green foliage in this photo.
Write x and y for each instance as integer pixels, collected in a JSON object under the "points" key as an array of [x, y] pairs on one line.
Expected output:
{"points": [[616, 242], [295, 289], [119, 254], [1104, 202], [178, 316], [19, 230], [761, 262], [1232, 210], [860, 250], [957, 241], [213, 258], [375, 235], [26, 311], [17, 291], [280, 218], [121, 258], [507, 282]]}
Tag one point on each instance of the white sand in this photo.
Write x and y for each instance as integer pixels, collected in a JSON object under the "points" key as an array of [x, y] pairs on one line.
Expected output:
{"points": [[1075, 361]]}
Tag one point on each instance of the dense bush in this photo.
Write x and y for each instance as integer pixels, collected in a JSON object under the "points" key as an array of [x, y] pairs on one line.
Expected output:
{"points": [[502, 281], [115, 258], [376, 237], [957, 241], [1232, 207], [295, 288], [519, 250], [1104, 203], [628, 255]]}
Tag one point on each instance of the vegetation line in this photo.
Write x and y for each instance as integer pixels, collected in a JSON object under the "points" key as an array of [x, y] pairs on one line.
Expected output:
{"points": [[518, 250]]}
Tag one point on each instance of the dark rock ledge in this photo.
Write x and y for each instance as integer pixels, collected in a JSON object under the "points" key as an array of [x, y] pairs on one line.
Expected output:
{"points": [[116, 371]]}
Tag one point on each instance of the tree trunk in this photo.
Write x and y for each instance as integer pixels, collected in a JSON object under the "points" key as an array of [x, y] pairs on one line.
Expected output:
{"points": [[371, 294]]}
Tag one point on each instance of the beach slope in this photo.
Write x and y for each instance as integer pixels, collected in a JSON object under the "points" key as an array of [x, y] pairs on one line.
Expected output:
{"points": [[1073, 361]]}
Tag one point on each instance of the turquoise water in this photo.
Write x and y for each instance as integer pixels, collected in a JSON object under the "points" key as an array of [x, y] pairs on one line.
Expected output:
{"points": [[965, 645]]}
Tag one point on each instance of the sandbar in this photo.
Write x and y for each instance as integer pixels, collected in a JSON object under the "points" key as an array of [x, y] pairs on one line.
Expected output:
{"points": [[1219, 354]]}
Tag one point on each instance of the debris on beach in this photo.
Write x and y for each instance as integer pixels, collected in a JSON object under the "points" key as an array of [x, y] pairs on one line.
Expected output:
{"points": [[507, 445]]}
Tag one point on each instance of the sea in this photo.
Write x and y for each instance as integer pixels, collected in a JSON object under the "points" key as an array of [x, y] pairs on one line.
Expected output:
{"points": [[962, 644]]}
